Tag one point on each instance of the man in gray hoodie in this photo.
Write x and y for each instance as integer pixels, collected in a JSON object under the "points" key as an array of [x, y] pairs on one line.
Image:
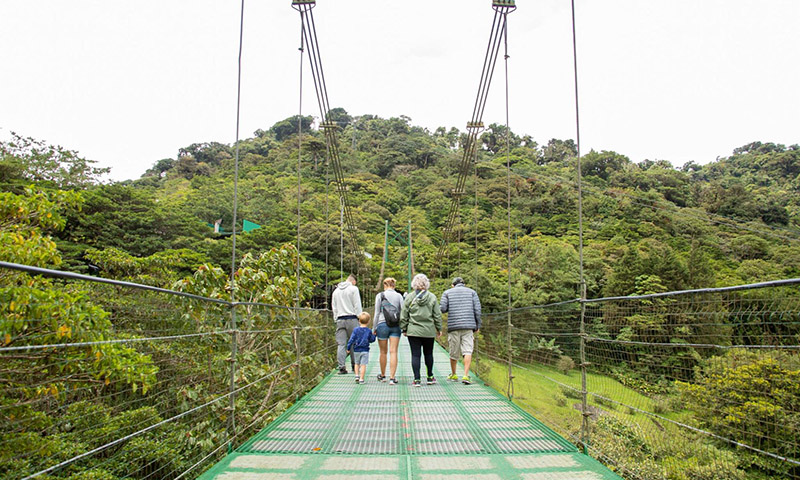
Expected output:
{"points": [[346, 305], [463, 321]]}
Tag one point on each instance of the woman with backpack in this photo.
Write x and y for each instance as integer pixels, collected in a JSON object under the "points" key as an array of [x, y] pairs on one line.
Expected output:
{"points": [[386, 327]]}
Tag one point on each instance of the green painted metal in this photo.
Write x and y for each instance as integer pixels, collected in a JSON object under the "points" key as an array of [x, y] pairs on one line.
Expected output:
{"points": [[379, 431], [405, 241]]}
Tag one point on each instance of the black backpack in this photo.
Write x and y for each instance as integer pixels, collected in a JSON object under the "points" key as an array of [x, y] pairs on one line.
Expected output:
{"points": [[390, 313]]}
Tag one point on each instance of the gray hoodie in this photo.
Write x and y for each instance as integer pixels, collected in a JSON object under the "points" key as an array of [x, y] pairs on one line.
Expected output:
{"points": [[346, 300]]}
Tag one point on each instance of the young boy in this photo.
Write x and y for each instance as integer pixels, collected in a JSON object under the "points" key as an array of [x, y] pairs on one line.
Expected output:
{"points": [[359, 346]]}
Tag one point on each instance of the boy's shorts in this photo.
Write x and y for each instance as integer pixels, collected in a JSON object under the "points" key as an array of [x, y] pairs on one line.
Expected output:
{"points": [[460, 342], [361, 358]]}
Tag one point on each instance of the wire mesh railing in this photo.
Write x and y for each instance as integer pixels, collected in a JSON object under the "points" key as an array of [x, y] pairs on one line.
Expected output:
{"points": [[103, 379], [694, 384]]}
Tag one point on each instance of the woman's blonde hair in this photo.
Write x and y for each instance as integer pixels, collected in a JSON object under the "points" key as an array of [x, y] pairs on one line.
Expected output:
{"points": [[389, 282], [420, 282]]}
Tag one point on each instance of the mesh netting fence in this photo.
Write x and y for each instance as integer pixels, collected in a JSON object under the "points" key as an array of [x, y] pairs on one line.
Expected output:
{"points": [[111, 380], [701, 384]]}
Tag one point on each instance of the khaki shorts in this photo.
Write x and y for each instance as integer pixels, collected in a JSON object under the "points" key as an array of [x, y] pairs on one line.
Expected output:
{"points": [[460, 342]]}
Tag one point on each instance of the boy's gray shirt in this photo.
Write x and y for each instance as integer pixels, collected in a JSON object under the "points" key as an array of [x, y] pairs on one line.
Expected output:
{"points": [[463, 307]]}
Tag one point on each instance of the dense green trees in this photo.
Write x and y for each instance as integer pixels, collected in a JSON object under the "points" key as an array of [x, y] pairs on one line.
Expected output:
{"points": [[750, 397], [727, 222], [26, 159], [648, 228]]}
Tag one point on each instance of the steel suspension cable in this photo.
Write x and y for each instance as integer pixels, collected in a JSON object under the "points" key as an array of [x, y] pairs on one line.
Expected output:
{"points": [[475, 125], [305, 8], [327, 232], [236, 154], [510, 389], [584, 390], [299, 163], [233, 326], [299, 167], [475, 222]]}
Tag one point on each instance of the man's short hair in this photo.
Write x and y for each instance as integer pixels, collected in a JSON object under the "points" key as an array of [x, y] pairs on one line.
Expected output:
{"points": [[351, 278], [457, 281]]}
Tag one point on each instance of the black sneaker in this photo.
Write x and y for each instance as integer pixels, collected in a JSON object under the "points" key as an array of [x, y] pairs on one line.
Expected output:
{"points": [[356, 379], [342, 371], [431, 380], [381, 378], [392, 381]]}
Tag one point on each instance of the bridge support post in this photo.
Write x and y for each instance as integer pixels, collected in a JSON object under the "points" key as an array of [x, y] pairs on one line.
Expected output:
{"points": [[232, 400], [509, 347], [584, 391], [298, 369], [411, 271], [385, 255]]}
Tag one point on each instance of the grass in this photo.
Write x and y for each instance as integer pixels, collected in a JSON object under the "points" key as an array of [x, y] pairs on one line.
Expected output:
{"points": [[539, 390]]}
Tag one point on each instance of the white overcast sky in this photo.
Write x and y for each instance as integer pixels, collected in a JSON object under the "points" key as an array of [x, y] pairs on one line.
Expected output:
{"points": [[126, 83]]}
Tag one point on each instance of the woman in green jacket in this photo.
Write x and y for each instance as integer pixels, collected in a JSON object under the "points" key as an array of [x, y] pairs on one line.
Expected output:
{"points": [[421, 322]]}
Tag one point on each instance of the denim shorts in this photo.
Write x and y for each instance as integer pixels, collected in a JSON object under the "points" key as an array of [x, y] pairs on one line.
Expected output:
{"points": [[385, 331], [361, 358]]}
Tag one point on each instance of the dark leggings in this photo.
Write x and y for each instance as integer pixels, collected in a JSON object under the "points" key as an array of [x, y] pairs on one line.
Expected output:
{"points": [[419, 345]]}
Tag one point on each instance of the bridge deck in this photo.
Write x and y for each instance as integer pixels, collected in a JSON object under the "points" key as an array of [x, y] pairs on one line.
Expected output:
{"points": [[341, 430]]}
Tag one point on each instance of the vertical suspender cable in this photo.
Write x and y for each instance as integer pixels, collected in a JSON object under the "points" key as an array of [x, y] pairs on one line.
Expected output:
{"points": [[410, 252], [341, 239], [501, 8], [510, 391], [320, 88], [385, 256], [475, 221], [584, 391], [299, 159], [327, 233], [296, 330], [234, 353]]}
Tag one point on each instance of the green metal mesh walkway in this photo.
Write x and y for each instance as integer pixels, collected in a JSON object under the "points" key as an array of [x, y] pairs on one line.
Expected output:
{"points": [[344, 431]]}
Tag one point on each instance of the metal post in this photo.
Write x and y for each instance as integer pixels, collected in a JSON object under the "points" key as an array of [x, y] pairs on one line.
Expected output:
{"points": [[327, 234], [411, 250], [408, 262], [584, 390], [297, 270], [509, 345], [385, 254], [341, 239], [475, 221], [232, 360], [298, 371]]}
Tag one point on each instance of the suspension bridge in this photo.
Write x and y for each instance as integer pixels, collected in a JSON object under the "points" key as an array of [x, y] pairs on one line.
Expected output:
{"points": [[376, 430], [229, 389]]}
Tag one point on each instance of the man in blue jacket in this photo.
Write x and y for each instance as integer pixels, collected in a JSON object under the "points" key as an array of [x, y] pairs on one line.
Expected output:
{"points": [[463, 307]]}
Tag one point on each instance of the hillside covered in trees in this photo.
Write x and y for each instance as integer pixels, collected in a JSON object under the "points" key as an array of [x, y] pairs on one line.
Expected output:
{"points": [[649, 226]]}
